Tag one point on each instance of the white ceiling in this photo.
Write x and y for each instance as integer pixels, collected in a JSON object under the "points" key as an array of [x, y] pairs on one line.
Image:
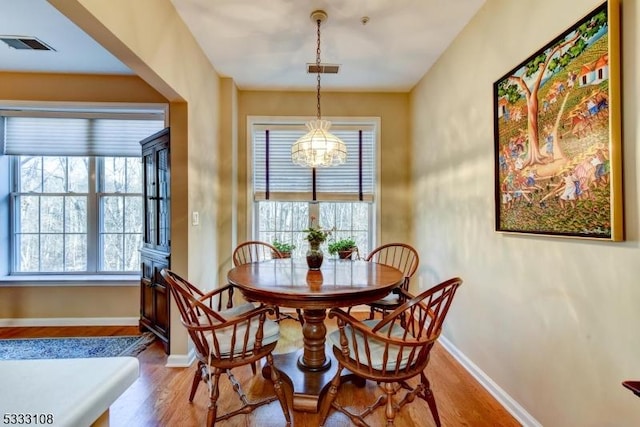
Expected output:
{"points": [[266, 44], [75, 51]]}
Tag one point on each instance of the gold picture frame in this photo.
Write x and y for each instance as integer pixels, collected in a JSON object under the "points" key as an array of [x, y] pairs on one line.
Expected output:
{"points": [[557, 135]]}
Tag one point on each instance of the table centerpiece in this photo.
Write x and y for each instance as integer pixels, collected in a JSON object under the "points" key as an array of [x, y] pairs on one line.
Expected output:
{"points": [[315, 235]]}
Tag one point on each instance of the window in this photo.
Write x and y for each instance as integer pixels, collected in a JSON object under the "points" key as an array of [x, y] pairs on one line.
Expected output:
{"points": [[76, 193], [286, 196], [121, 213]]}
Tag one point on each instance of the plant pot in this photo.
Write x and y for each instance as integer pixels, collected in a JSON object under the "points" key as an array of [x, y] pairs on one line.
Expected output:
{"points": [[314, 257], [345, 254]]}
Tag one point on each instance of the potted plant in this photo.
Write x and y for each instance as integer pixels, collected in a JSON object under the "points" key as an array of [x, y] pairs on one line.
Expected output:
{"points": [[315, 236], [343, 247], [284, 248]]}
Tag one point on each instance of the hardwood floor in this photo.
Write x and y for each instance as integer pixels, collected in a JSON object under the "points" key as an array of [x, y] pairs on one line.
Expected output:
{"points": [[160, 396]]}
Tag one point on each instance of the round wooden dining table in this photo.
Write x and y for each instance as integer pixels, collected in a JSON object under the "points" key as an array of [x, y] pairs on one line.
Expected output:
{"points": [[288, 282]]}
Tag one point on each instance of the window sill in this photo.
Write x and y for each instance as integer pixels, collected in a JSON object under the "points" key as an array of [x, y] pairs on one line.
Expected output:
{"points": [[81, 280]]}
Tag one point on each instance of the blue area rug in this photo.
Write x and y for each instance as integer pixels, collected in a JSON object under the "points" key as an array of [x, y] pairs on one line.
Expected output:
{"points": [[72, 348]]}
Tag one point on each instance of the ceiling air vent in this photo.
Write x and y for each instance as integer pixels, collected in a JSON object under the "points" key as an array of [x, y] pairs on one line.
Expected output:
{"points": [[324, 69], [25, 43]]}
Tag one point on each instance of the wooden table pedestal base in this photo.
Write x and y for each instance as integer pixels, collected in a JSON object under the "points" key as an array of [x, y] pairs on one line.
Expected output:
{"points": [[308, 386]]}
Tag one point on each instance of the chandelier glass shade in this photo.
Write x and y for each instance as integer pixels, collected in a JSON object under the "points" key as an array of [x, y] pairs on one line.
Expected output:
{"points": [[319, 148]]}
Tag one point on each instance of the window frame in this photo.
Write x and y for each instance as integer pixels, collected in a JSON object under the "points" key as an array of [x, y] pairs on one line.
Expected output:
{"points": [[94, 226], [118, 110], [374, 209]]}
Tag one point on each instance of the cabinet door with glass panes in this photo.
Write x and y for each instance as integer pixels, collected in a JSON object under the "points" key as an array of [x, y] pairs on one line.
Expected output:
{"points": [[155, 157]]}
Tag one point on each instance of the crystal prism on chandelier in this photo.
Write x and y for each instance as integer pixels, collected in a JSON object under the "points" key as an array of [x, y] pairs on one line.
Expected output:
{"points": [[318, 148]]}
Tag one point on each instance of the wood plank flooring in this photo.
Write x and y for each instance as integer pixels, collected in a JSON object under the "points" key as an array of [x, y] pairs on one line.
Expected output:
{"points": [[159, 397]]}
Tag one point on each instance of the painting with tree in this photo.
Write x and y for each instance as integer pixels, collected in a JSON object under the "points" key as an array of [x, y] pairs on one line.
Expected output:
{"points": [[557, 135]]}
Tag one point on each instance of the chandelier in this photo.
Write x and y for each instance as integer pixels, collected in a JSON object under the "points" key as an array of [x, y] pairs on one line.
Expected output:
{"points": [[318, 148]]}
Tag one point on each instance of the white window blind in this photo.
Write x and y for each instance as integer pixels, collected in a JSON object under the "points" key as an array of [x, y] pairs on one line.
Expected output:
{"points": [[63, 136], [276, 177]]}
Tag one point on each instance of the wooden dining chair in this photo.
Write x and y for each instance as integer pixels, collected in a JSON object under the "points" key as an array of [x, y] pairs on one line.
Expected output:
{"points": [[225, 340], [256, 251], [222, 300], [398, 255], [390, 351]]}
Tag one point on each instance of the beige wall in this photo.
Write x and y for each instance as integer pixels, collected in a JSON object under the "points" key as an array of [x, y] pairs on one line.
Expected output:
{"points": [[32, 305], [227, 158], [392, 108], [76, 88], [553, 321]]}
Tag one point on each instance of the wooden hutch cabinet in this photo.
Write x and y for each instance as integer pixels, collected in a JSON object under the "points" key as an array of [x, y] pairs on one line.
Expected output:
{"points": [[156, 241]]}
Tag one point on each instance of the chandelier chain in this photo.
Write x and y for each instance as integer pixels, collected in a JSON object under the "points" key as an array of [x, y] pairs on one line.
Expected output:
{"points": [[318, 68], [318, 147]]}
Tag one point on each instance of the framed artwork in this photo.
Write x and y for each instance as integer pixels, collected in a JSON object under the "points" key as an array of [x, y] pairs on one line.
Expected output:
{"points": [[557, 135]]}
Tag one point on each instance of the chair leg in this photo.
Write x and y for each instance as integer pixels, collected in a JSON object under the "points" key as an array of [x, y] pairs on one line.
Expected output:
{"points": [[280, 316], [327, 401], [279, 389], [197, 377], [212, 411], [390, 411], [429, 398], [372, 313], [403, 320]]}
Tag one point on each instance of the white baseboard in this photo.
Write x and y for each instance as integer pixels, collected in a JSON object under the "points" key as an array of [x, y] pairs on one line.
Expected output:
{"points": [[181, 360], [71, 321], [513, 407]]}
